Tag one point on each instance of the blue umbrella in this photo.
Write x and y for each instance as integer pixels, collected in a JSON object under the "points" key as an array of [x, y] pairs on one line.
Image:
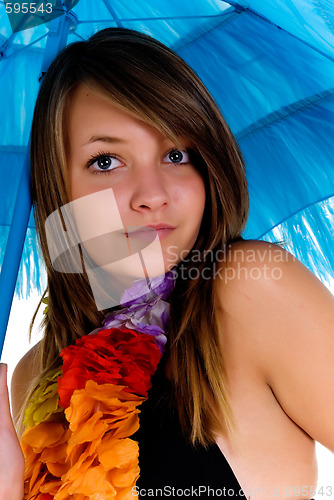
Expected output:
{"points": [[270, 67]]}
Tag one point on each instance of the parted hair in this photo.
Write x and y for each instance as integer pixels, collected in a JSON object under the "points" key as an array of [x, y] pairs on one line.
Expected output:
{"points": [[148, 79]]}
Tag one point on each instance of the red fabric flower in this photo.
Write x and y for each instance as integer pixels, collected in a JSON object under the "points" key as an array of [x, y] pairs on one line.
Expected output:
{"points": [[113, 356]]}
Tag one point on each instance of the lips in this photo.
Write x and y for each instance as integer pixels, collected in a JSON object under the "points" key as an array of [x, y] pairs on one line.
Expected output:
{"points": [[158, 227], [149, 231]]}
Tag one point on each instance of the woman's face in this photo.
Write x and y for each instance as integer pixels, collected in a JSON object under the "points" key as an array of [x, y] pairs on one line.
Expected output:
{"points": [[139, 178]]}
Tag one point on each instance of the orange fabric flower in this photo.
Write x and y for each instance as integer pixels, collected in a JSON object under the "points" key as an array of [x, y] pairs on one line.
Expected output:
{"points": [[93, 457], [101, 417], [44, 447]]}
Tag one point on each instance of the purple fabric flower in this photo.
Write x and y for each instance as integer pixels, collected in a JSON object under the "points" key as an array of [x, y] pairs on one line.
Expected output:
{"points": [[137, 293], [145, 312]]}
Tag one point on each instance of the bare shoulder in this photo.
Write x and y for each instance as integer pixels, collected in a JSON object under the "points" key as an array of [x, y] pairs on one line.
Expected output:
{"points": [[248, 275], [265, 297], [258, 272], [25, 371]]}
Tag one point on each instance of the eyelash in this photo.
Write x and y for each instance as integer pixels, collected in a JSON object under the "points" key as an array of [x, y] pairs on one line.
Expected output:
{"points": [[103, 154], [97, 156]]}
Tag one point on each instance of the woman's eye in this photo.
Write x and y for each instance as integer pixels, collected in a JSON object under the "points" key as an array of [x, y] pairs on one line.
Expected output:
{"points": [[177, 156], [104, 163]]}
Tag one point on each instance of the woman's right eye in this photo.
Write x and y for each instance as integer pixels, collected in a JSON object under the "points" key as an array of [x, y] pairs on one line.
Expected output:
{"points": [[105, 163]]}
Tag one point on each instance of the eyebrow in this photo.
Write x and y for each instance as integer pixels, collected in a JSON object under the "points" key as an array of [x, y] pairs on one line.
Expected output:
{"points": [[105, 138]]}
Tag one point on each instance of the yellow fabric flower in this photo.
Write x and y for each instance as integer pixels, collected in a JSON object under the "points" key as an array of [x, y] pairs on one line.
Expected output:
{"points": [[44, 402], [46, 302]]}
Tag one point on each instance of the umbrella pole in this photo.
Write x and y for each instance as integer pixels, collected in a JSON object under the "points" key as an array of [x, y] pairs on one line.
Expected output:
{"points": [[57, 38]]}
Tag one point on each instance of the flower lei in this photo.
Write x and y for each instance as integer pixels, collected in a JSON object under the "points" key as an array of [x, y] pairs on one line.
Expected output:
{"points": [[79, 421]]}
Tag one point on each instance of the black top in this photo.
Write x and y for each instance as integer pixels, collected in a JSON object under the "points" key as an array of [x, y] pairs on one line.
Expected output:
{"points": [[167, 460]]}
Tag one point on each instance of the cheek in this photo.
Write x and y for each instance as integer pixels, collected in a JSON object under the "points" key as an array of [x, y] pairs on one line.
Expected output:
{"points": [[78, 186], [84, 184], [195, 197]]}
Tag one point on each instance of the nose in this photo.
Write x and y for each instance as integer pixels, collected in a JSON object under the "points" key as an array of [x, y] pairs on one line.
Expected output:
{"points": [[150, 192]]}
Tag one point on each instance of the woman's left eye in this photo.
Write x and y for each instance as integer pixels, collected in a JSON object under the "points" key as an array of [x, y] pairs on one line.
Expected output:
{"points": [[177, 156]]}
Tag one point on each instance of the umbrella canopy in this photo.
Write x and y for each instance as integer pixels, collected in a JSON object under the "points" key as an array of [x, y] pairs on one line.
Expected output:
{"points": [[270, 67]]}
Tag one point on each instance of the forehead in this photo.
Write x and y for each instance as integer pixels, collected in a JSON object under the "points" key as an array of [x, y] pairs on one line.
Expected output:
{"points": [[91, 114], [88, 108]]}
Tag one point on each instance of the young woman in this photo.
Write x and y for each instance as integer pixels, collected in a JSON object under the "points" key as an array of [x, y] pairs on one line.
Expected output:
{"points": [[244, 387]]}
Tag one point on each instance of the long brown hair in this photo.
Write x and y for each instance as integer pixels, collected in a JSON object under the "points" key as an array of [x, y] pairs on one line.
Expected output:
{"points": [[143, 76]]}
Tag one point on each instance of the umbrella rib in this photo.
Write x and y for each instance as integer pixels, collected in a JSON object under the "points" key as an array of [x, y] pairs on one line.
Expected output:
{"points": [[283, 113], [2, 52], [153, 19], [246, 9], [308, 205], [5, 46], [223, 18], [79, 36], [112, 12]]}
